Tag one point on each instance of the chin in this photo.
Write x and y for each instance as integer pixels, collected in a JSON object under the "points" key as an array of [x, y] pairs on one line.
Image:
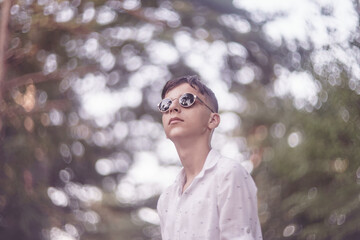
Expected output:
{"points": [[175, 134]]}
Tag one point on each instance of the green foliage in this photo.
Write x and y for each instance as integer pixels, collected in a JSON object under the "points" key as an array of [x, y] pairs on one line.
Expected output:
{"points": [[308, 176], [314, 186]]}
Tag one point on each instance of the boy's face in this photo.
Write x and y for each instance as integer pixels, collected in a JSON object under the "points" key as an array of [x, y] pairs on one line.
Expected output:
{"points": [[180, 122]]}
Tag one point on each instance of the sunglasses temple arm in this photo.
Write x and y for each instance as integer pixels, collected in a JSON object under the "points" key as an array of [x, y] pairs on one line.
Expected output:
{"points": [[205, 104]]}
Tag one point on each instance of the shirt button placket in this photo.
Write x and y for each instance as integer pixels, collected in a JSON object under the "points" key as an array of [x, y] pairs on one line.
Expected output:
{"points": [[178, 219], [177, 224]]}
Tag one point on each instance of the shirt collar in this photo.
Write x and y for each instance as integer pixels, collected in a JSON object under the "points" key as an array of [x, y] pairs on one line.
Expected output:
{"points": [[210, 162]]}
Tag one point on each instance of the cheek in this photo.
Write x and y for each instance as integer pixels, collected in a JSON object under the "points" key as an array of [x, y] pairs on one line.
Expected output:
{"points": [[198, 121], [163, 119], [202, 117]]}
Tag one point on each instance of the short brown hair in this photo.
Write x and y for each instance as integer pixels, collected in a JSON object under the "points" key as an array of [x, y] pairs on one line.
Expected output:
{"points": [[194, 82]]}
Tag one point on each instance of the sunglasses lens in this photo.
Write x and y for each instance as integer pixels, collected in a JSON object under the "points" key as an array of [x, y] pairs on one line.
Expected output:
{"points": [[187, 100], [164, 105]]}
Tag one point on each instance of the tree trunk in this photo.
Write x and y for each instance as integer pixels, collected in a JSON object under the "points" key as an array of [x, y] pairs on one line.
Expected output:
{"points": [[4, 21], [5, 13]]}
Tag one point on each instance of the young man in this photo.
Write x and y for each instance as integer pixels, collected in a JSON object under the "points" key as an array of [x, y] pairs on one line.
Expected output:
{"points": [[213, 197]]}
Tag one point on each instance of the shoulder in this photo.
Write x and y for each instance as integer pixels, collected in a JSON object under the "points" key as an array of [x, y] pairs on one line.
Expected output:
{"points": [[228, 166], [230, 171], [163, 200], [167, 192]]}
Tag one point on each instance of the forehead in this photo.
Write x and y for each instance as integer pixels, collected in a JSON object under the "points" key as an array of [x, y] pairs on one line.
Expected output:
{"points": [[181, 89]]}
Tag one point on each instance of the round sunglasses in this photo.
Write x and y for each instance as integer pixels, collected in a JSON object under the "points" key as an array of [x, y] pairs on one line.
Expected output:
{"points": [[186, 100]]}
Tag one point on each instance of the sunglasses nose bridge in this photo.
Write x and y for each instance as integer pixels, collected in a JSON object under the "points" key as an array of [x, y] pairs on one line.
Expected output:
{"points": [[174, 106]]}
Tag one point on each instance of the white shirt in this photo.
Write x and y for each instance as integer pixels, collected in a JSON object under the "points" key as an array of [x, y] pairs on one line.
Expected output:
{"points": [[220, 204]]}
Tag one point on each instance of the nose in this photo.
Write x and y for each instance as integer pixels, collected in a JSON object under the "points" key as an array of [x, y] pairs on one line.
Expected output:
{"points": [[174, 106]]}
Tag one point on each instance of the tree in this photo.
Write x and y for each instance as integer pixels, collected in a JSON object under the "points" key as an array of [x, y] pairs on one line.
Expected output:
{"points": [[69, 167]]}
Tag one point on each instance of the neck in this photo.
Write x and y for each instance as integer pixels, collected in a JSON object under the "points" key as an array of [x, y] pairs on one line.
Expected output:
{"points": [[192, 155]]}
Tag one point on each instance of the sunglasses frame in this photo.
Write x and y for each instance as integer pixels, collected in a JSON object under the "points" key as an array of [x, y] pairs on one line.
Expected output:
{"points": [[172, 100]]}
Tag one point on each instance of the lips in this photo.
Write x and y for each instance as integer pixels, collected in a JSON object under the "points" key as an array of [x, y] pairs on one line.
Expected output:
{"points": [[175, 120]]}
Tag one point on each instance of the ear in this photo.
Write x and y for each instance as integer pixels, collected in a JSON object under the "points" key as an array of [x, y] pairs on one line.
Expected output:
{"points": [[214, 120]]}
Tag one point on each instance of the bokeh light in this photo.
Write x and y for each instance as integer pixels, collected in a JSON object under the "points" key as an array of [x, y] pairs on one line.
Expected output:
{"points": [[79, 111]]}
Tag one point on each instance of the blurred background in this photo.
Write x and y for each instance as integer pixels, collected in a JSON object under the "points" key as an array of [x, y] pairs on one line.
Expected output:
{"points": [[82, 150]]}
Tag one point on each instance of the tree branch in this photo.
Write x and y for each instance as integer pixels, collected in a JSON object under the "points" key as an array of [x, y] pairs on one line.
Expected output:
{"points": [[41, 77], [61, 104], [140, 14]]}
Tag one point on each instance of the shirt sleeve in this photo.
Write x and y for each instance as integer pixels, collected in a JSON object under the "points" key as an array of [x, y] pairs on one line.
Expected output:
{"points": [[237, 205]]}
